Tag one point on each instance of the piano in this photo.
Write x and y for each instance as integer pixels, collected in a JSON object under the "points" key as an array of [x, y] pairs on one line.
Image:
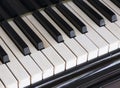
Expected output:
{"points": [[59, 44]]}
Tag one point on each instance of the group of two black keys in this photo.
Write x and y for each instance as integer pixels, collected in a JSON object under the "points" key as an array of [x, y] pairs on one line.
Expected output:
{"points": [[37, 42]]}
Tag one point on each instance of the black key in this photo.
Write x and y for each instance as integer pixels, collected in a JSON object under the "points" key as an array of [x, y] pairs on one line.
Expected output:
{"points": [[15, 38], [116, 2], [60, 22], [72, 18], [3, 56], [48, 26], [104, 10], [90, 12], [30, 4], [35, 40], [13, 7]]}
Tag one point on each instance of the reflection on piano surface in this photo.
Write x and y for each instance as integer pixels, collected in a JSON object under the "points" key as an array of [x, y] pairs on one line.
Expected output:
{"points": [[59, 44]]}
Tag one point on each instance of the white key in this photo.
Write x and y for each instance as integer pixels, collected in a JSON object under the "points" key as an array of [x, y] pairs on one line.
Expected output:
{"points": [[88, 45], [59, 64], [15, 67], [26, 61], [113, 41], [110, 38], [99, 42], [78, 50], [115, 29], [43, 63], [68, 56], [1, 85], [59, 47], [20, 74], [92, 35], [80, 53], [7, 78], [35, 53]]}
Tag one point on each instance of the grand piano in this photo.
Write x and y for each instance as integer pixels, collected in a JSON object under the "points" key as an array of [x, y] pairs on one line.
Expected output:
{"points": [[59, 44]]}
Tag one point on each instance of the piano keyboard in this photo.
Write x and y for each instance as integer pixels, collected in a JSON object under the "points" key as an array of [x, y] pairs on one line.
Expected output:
{"points": [[55, 38]]}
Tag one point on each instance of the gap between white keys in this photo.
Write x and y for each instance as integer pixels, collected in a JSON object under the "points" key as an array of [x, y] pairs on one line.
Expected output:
{"points": [[1, 85], [7, 78]]}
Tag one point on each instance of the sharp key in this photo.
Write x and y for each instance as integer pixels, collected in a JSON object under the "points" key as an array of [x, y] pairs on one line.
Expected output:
{"points": [[4, 56], [7, 78], [35, 40], [103, 10]]}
